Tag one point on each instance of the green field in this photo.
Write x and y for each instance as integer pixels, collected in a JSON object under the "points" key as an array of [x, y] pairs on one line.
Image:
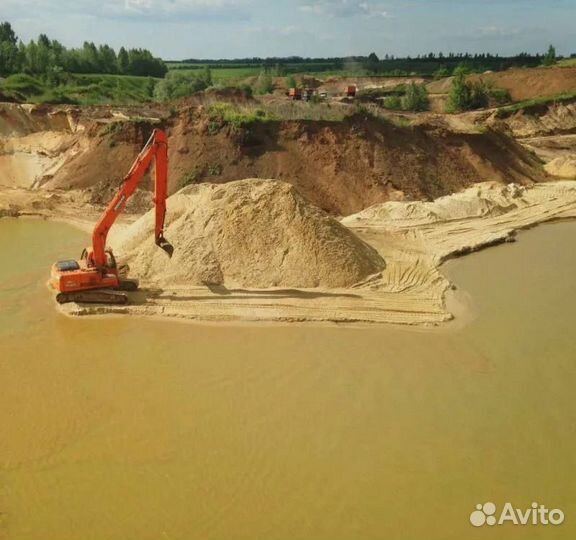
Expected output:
{"points": [[234, 73], [220, 75]]}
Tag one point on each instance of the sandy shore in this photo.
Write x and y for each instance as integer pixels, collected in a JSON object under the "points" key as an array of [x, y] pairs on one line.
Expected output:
{"points": [[59, 205], [414, 238]]}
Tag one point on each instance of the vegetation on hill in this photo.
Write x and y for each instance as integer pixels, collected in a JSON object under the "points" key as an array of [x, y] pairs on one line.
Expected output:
{"points": [[413, 97], [468, 95], [265, 82], [536, 103], [221, 114], [78, 89], [179, 84]]}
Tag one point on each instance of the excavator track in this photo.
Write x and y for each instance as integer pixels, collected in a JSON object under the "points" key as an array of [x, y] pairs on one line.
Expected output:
{"points": [[96, 296]]}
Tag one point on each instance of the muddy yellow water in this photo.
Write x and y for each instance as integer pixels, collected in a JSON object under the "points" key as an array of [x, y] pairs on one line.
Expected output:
{"points": [[124, 429]]}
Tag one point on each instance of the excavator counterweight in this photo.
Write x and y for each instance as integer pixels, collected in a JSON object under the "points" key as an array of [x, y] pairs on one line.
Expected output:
{"points": [[95, 278]]}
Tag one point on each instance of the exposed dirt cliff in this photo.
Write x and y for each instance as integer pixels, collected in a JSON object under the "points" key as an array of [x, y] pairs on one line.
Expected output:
{"points": [[340, 166]]}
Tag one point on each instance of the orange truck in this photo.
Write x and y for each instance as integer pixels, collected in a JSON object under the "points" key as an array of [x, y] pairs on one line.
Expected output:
{"points": [[295, 93], [95, 278], [351, 91]]}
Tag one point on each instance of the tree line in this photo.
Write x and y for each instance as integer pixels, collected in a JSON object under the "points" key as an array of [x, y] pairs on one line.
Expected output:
{"points": [[443, 65], [45, 56], [427, 64]]}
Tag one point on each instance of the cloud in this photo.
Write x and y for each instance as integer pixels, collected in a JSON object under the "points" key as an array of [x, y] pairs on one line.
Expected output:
{"points": [[159, 10], [172, 9], [493, 33], [497, 32], [344, 8]]}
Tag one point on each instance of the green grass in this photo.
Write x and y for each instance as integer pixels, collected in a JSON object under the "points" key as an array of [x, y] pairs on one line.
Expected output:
{"points": [[19, 86], [247, 114], [238, 72], [568, 62], [224, 75], [527, 105], [301, 110], [226, 113], [80, 89], [221, 113]]}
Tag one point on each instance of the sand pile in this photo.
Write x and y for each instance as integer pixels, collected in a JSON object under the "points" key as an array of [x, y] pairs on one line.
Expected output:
{"points": [[532, 83], [562, 167], [248, 233], [483, 200]]}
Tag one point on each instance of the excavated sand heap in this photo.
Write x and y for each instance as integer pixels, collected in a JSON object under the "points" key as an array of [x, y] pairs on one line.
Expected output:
{"points": [[249, 233], [562, 167], [483, 200]]}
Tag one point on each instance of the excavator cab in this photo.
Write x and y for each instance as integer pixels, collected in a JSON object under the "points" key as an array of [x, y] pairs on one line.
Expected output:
{"points": [[67, 266]]}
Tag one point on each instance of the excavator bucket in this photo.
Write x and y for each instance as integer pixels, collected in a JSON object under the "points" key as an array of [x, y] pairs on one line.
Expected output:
{"points": [[162, 243]]}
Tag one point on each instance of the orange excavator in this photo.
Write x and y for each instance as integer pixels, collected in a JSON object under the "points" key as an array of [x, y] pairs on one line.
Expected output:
{"points": [[95, 278]]}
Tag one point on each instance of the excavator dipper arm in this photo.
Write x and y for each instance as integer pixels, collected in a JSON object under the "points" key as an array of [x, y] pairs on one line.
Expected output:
{"points": [[155, 149]]}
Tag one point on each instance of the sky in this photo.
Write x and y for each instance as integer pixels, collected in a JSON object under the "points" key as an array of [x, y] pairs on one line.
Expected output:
{"points": [[179, 29]]}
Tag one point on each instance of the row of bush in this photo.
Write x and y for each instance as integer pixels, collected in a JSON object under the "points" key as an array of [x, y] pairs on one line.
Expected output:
{"points": [[415, 98], [467, 95]]}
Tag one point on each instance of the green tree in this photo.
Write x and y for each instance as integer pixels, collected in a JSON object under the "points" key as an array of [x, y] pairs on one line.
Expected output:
{"points": [[7, 34], [178, 84], [373, 63], [58, 53], [206, 76], [460, 96], [291, 81], [10, 58], [393, 102], [108, 60], [416, 98], [441, 73], [141, 62], [479, 95], [44, 58], [550, 58], [265, 83], [90, 59], [32, 58], [123, 60], [466, 95], [51, 58]]}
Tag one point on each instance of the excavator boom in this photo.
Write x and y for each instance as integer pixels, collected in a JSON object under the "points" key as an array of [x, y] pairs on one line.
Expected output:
{"points": [[156, 148], [95, 278]]}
